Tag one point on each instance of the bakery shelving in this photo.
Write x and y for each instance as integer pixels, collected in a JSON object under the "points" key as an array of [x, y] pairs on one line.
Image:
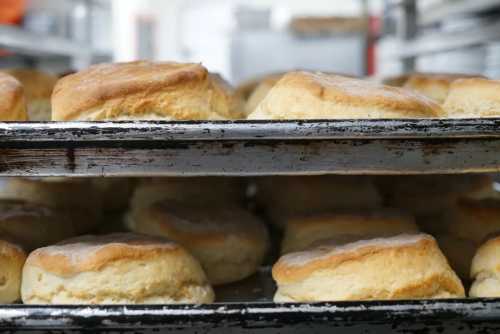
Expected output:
{"points": [[249, 147], [66, 35], [443, 41], [425, 316], [443, 9], [418, 32], [28, 43]]}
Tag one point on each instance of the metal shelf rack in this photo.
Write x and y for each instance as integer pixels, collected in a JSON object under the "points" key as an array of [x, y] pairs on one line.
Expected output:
{"points": [[157, 148], [410, 44], [151, 148], [445, 9], [25, 42], [465, 316]]}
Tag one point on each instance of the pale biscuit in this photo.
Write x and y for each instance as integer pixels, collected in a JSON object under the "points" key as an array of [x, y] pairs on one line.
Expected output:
{"points": [[38, 87], [12, 259], [400, 267], [12, 100], [433, 85], [121, 268], [473, 98], [302, 232], [191, 190], [229, 242], [485, 270], [306, 95], [283, 197]]}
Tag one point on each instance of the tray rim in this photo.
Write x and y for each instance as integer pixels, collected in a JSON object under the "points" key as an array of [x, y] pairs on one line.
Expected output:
{"points": [[250, 130], [60, 316]]}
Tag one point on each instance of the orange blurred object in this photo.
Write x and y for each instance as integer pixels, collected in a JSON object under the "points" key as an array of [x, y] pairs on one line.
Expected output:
{"points": [[12, 11]]}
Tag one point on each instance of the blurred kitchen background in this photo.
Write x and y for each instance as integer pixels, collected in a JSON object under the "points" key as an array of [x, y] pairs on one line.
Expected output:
{"points": [[242, 39]]}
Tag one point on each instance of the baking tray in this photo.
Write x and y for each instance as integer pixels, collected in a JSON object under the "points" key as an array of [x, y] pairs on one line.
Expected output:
{"points": [[247, 307], [153, 148], [481, 316]]}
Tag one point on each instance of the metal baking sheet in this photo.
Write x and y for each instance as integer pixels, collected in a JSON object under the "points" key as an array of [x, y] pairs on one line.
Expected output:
{"points": [[481, 316], [152, 148], [247, 307]]}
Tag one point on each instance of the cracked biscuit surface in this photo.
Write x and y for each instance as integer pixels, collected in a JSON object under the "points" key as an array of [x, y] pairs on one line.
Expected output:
{"points": [[144, 90]]}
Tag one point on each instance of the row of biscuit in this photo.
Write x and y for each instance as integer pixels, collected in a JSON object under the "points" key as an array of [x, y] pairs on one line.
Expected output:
{"points": [[196, 224], [175, 91], [25, 95], [206, 220], [307, 95], [403, 266], [328, 220], [145, 90], [337, 230]]}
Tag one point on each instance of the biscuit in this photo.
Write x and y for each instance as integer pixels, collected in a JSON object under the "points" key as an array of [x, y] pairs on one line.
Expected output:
{"points": [[400, 267], [485, 270], [121, 268], [12, 259], [302, 232], [230, 243], [143, 90], [306, 95], [12, 100]]}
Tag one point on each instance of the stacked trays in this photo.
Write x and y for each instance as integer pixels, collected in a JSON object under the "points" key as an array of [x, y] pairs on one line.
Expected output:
{"points": [[158, 148], [254, 148]]}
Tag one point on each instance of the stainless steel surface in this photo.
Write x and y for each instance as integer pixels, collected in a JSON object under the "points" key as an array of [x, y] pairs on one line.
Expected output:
{"points": [[25, 42], [250, 147], [248, 130], [446, 9], [407, 29], [442, 41], [464, 316]]}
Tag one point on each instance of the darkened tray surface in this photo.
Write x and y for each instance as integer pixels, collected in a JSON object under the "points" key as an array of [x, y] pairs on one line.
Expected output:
{"points": [[425, 316], [249, 147], [246, 307]]}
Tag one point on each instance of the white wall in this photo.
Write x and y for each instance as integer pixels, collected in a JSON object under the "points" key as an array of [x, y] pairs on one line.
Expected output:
{"points": [[200, 30], [124, 34]]}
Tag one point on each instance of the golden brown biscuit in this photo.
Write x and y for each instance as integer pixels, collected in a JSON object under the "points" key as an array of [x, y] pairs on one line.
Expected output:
{"points": [[431, 194], [433, 85], [282, 197], [115, 192], [12, 259], [12, 101], [400, 267], [85, 270], [472, 98], [246, 88], [485, 270], [76, 197], [34, 225], [395, 81], [221, 191], [306, 95], [142, 90], [230, 243], [302, 232], [260, 92], [38, 87]]}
